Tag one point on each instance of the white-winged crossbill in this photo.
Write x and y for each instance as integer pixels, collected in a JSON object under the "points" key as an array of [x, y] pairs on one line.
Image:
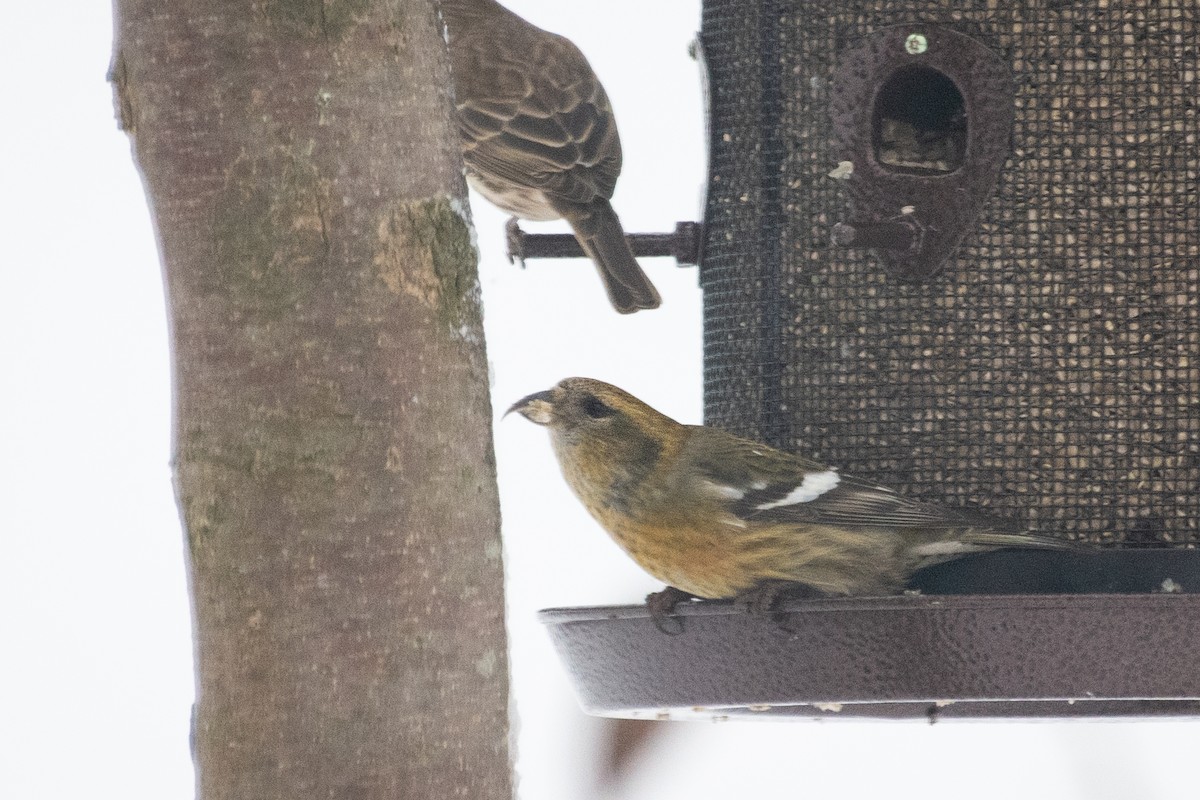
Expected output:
{"points": [[717, 516]]}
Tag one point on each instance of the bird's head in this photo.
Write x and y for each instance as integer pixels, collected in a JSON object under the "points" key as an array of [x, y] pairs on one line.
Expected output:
{"points": [[595, 421], [581, 404]]}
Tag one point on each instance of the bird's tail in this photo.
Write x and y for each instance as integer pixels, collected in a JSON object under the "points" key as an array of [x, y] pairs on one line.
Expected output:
{"points": [[599, 232], [966, 531], [1039, 541], [981, 530]]}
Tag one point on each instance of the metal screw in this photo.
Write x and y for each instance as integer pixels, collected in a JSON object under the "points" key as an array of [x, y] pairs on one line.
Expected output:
{"points": [[916, 44]]}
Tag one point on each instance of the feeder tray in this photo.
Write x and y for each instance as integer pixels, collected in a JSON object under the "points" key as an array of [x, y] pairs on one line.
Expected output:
{"points": [[1018, 653]]}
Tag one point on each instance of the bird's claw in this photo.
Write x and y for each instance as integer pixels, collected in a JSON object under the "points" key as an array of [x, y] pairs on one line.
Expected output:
{"points": [[661, 606], [763, 599], [514, 239]]}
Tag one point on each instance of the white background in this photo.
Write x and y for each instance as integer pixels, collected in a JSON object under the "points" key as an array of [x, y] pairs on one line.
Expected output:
{"points": [[95, 657]]}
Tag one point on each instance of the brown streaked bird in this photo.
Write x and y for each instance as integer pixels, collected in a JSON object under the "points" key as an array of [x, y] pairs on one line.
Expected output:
{"points": [[538, 135], [717, 516]]}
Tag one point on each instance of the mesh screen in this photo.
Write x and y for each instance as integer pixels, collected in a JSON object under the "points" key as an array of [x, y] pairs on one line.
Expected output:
{"points": [[1051, 373]]}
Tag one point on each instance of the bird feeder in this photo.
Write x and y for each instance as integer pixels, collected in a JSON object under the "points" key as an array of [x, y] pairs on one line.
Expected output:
{"points": [[955, 247]]}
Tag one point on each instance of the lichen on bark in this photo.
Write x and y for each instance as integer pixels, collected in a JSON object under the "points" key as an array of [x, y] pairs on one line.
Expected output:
{"points": [[444, 279], [328, 18], [271, 235]]}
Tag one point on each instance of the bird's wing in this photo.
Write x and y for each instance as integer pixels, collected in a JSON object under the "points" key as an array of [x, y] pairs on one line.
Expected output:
{"points": [[533, 113], [757, 483]]}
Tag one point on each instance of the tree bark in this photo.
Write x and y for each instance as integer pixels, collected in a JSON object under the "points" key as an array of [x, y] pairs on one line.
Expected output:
{"points": [[333, 444]]}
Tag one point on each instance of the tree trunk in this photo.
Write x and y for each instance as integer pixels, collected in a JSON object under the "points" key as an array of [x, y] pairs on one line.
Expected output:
{"points": [[333, 429]]}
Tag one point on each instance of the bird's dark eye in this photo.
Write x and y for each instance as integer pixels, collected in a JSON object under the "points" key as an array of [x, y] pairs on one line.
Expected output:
{"points": [[594, 408]]}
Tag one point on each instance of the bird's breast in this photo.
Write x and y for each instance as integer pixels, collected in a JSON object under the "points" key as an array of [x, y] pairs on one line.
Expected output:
{"points": [[700, 559], [520, 201]]}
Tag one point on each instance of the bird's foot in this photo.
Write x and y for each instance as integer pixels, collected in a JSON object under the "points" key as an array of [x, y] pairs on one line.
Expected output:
{"points": [[514, 239], [661, 606], [763, 599]]}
